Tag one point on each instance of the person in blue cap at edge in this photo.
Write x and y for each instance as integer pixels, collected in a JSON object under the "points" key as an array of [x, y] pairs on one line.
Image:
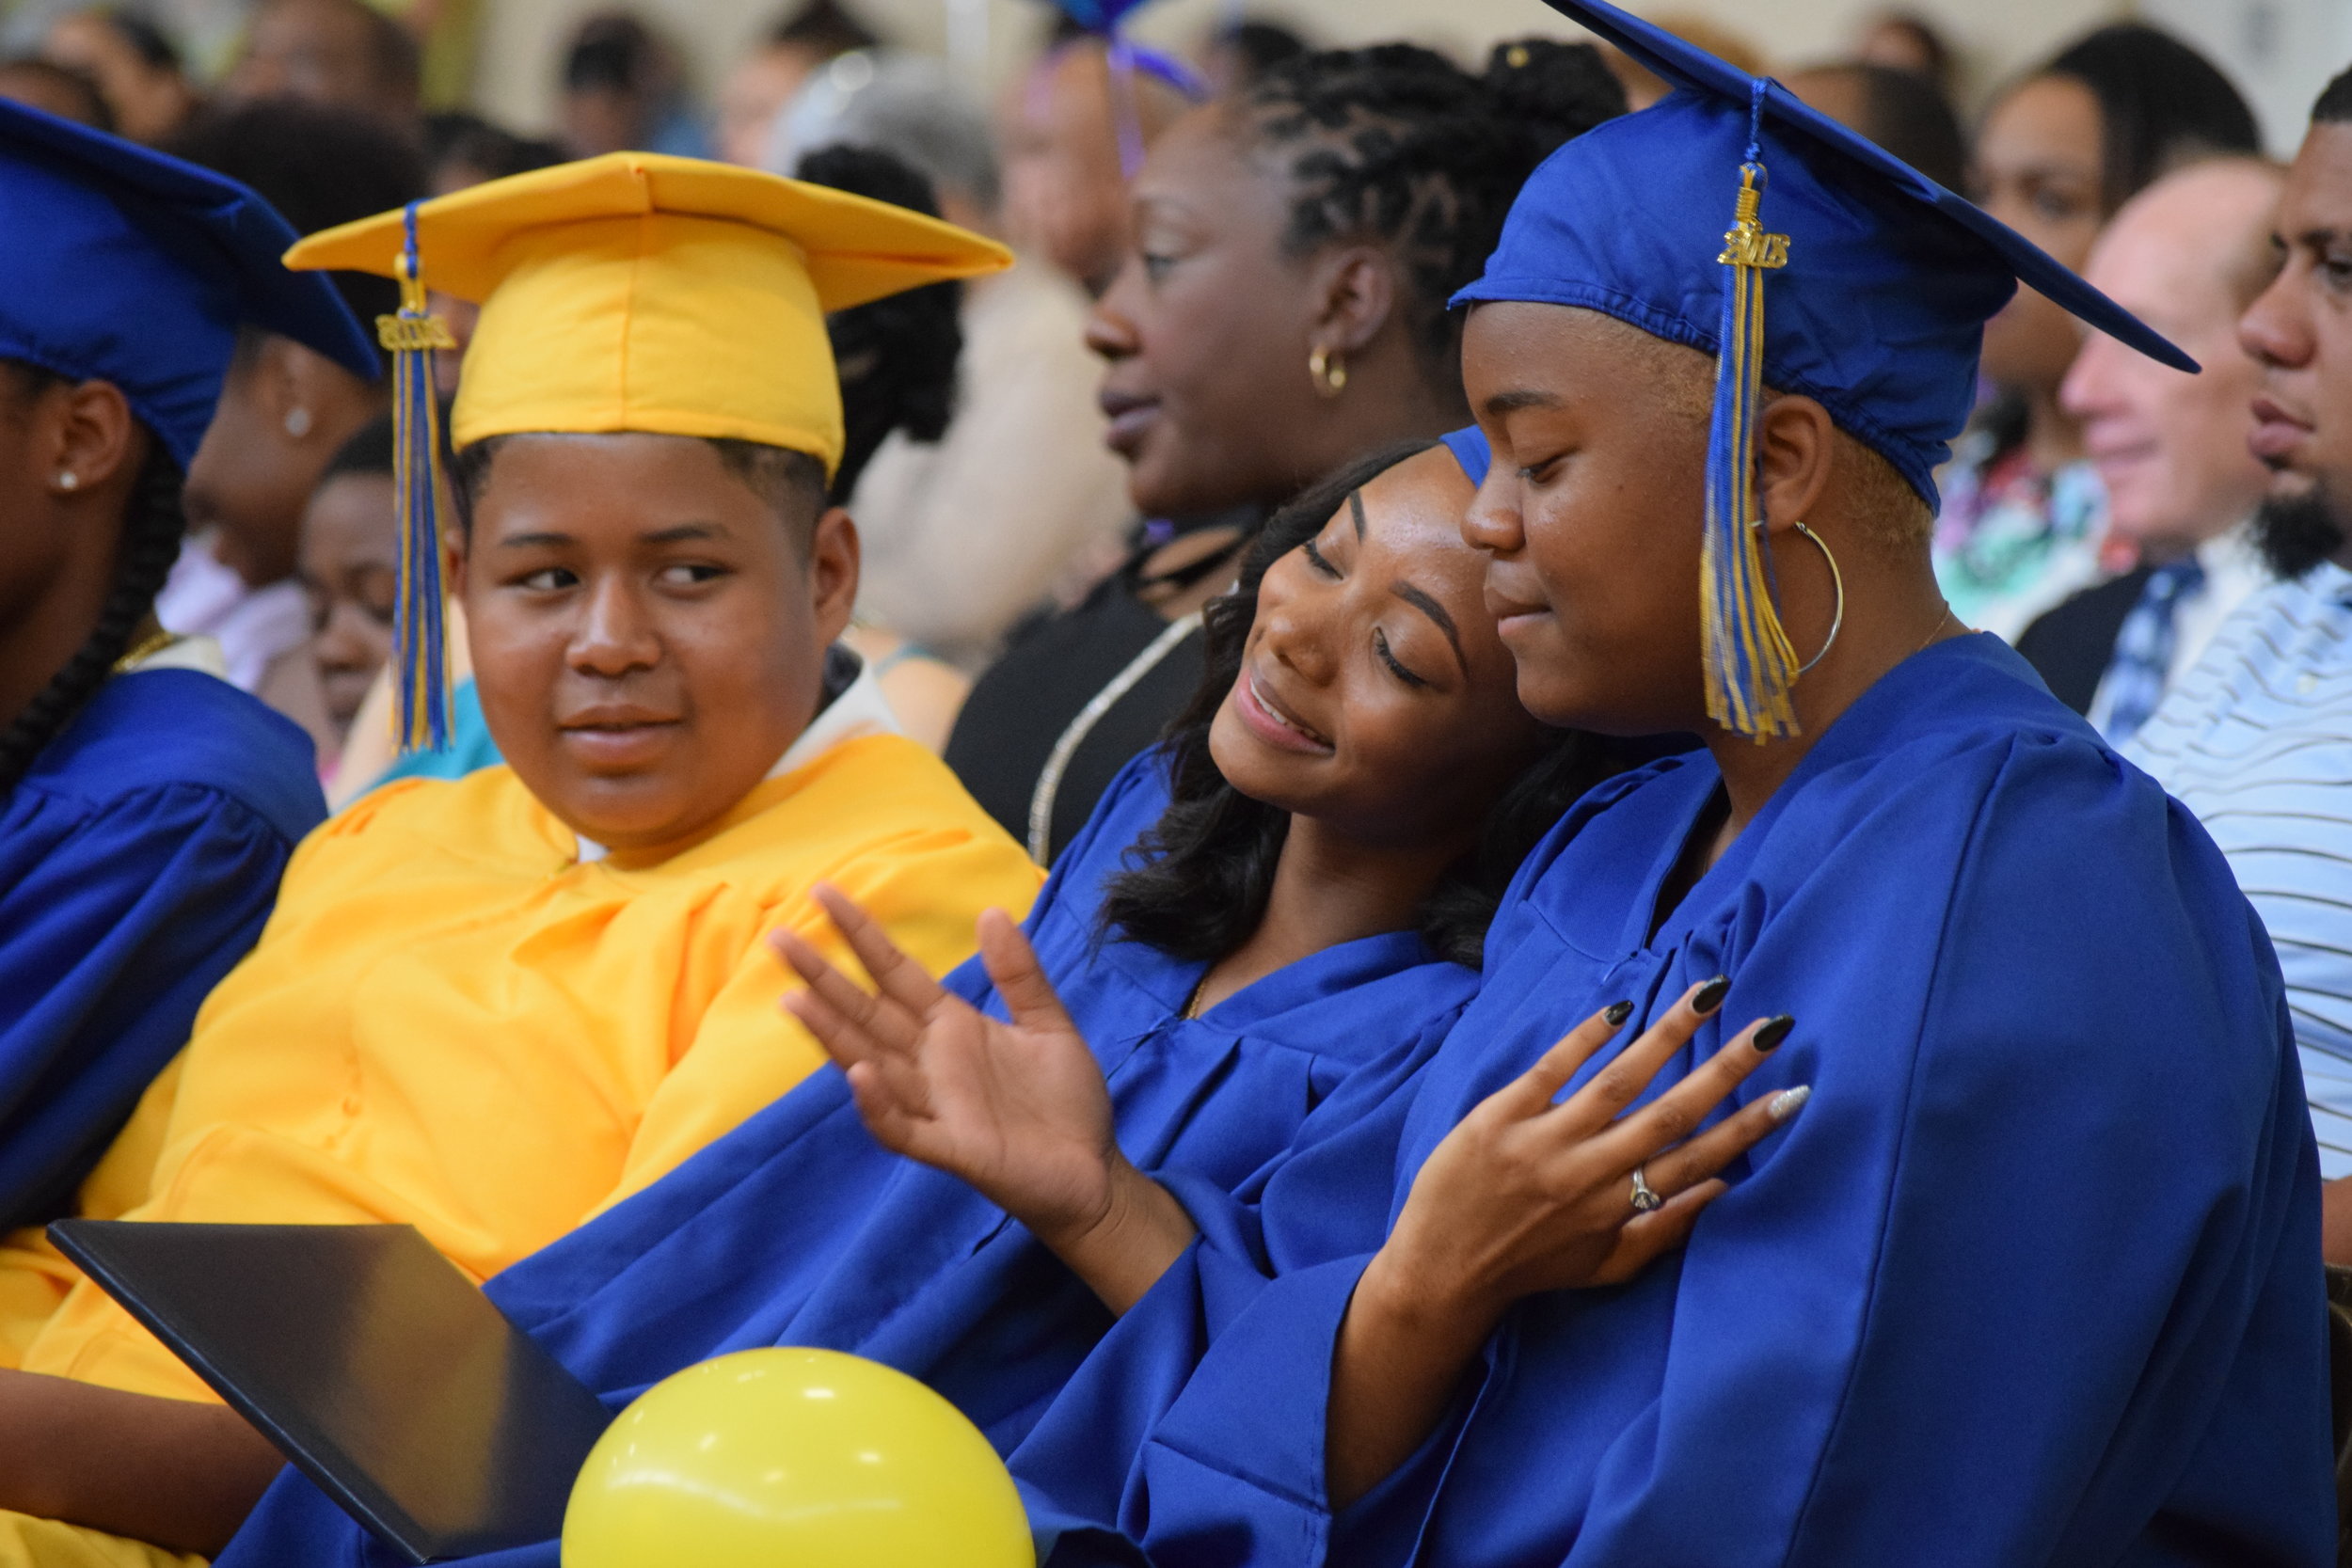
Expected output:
{"points": [[147, 806], [2035, 1275]]}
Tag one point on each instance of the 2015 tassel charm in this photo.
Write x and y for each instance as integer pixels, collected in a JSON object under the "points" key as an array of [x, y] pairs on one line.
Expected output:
{"points": [[1750, 668], [420, 664]]}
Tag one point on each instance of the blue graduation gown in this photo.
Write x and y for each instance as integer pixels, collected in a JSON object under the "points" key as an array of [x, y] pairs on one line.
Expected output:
{"points": [[2034, 1278], [139, 860], [797, 1229]]}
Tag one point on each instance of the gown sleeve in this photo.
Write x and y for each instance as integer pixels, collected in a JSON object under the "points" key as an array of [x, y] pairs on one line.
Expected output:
{"points": [[111, 935], [2034, 1278]]}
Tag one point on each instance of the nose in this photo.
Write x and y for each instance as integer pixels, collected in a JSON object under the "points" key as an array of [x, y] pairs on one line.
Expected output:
{"points": [[1291, 624], [615, 636], [2276, 328], [2087, 390], [1110, 326], [1493, 523], [342, 644]]}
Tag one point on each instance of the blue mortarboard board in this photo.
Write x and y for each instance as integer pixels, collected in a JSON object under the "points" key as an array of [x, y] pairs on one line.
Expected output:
{"points": [[125, 265], [1734, 219]]}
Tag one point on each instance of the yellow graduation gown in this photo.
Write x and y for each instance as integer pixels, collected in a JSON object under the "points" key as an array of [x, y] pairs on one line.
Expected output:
{"points": [[453, 1021]]}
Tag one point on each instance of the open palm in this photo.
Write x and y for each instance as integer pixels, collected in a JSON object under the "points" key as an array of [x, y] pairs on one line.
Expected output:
{"points": [[1018, 1109]]}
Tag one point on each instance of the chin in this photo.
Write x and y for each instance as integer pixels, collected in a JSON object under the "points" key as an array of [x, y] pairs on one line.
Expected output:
{"points": [[1255, 770]]}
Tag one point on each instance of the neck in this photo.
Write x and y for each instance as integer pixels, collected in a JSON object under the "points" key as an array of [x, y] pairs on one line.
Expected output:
{"points": [[1891, 614], [1329, 889], [39, 643], [2053, 439]]}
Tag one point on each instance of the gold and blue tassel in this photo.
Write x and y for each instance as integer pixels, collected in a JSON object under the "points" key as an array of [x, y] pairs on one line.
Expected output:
{"points": [[419, 662], [1750, 668]]}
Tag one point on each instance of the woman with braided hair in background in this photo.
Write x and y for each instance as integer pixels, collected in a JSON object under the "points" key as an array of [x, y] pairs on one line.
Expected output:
{"points": [[1282, 311], [147, 806]]}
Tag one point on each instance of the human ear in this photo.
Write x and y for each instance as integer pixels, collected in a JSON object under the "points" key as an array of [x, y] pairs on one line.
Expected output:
{"points": [[1794, 440], [92, 437], [278, 388], [1354, 295], [833, 567]]}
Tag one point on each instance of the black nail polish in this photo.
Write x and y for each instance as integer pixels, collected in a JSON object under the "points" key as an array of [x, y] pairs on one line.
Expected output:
{"points": [[1617, 1013], [1774, 1031], [1711, 995]]}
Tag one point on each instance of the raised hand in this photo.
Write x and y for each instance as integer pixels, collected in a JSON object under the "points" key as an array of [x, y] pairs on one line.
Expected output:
{"points": [[1017, 1109]]}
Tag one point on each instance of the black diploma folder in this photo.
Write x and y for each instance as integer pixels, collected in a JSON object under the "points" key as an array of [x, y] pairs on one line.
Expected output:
{"points": [[376, 1367]]}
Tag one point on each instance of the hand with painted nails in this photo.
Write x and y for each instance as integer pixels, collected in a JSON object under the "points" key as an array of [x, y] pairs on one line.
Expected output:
{"points": [[1531, 1193], [1019, 1109]]}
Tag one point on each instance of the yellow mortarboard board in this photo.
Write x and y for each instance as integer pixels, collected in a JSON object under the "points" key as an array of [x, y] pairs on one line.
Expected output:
{"points": [[640, 291], [634, 291]]}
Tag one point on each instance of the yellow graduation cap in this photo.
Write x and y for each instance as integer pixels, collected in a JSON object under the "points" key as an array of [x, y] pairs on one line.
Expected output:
{"points": [[642, 292], [632, 291]]}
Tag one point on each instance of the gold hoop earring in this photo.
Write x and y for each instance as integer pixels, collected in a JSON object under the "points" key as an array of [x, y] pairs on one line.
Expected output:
{"points": [[1838, 582], [1328, 372]]}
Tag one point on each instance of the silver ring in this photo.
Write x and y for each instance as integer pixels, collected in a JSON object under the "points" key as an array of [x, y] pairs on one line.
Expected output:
{"points": [[1644, 1195]]}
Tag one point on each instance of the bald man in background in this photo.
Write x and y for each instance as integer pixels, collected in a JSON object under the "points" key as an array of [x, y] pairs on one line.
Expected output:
{"points": [[2187, 255]]}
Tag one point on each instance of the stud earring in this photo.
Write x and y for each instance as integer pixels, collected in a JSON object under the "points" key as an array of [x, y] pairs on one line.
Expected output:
{"points": [[69, 481], [1328, 372], [297, 422]]}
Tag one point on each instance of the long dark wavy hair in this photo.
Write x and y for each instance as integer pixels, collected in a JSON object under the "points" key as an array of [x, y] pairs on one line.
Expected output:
{"points": [[152, 526], [1197, 883]]}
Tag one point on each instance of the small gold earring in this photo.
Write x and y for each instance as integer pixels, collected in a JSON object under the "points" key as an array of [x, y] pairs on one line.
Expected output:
{"points": [[1328, 373], [69, 481]]}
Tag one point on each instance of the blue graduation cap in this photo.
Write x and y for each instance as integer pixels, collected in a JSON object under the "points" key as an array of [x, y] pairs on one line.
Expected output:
{"points": [[124, 265], [1734, 219]]}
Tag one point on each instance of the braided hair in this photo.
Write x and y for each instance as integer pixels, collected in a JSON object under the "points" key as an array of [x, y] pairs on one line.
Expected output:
{"points": [[1197, 884], [1396, 144], [152, 528], [897, 355]]}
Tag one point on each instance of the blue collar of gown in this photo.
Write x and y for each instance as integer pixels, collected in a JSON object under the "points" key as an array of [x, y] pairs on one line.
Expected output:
{"points": [[1964, 681]]}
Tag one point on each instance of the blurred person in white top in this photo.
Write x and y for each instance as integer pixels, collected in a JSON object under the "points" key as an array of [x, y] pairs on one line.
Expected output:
{"points": [[1019, 505]]}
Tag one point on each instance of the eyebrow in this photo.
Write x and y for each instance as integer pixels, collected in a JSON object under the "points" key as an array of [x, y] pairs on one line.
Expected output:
{"points": [[1511, 402], [684, 531], [1356, 510], [1437, 613]]}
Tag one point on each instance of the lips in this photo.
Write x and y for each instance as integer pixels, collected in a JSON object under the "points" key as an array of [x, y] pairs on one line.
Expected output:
{"points": [[1271, 721], [1512, 599], [617, 736], [1127, 420], [2277, 433]]}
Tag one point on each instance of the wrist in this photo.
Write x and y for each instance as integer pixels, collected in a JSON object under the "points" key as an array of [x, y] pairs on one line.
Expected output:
{"points": [[1438, 1306]]}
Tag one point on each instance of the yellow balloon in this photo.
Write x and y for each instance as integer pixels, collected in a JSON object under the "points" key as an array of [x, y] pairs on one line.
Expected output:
{"points": [[805, 1458]]}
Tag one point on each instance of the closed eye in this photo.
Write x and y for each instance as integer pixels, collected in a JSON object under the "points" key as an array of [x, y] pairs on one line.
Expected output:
{"points": [[1316, 559], [1380, 646]]}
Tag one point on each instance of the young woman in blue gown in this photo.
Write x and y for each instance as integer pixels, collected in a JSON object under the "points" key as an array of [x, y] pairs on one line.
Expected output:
{"points": [[147, 807], [2035, 1277]]}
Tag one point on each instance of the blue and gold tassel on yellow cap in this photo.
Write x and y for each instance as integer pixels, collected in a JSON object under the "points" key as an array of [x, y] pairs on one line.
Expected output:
{"points": [[1751, 668], [419, 666]]}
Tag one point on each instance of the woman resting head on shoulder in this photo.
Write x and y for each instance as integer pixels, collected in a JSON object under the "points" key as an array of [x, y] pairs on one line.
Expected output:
{"points": [[1355, 776], [1283, 313]]}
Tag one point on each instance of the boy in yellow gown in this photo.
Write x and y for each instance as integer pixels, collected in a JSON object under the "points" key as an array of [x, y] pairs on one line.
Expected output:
{"points": [[490, 1007]]}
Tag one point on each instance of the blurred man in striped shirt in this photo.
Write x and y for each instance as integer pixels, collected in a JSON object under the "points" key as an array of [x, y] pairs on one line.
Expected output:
{"points": [[2257, 740]]}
